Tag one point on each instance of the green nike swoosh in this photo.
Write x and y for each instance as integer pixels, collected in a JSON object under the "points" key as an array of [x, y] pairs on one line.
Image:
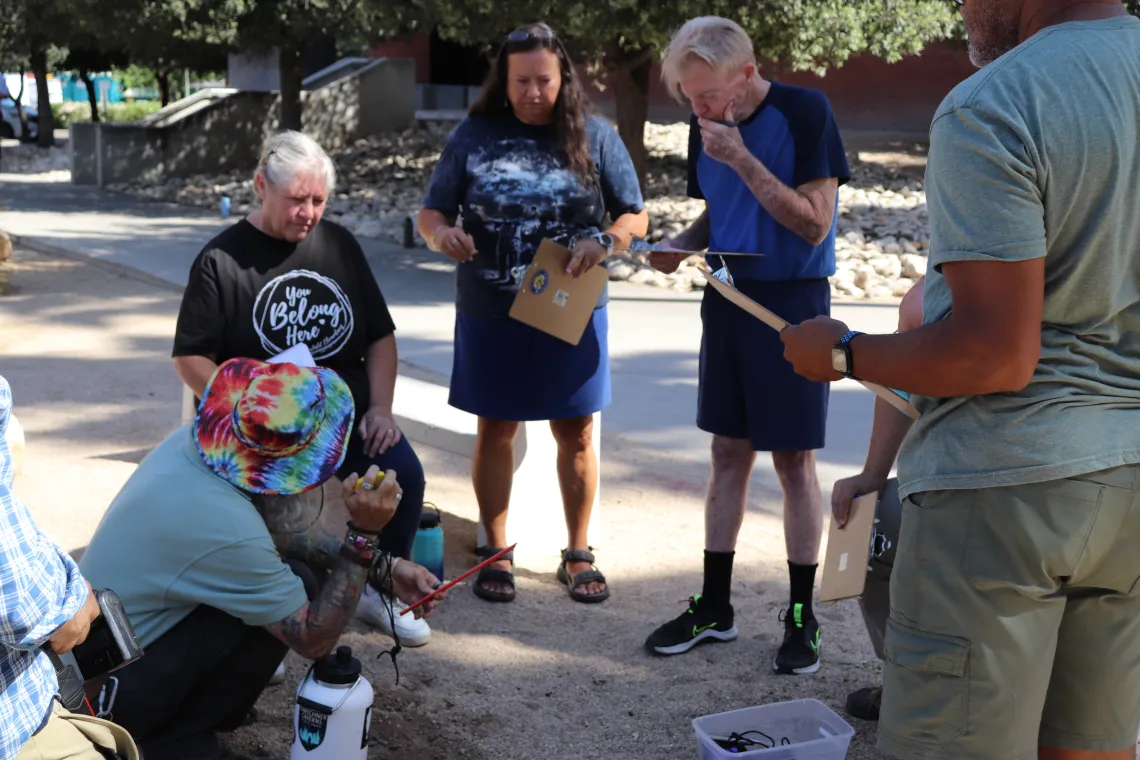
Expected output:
{"points": [[699, 629]]}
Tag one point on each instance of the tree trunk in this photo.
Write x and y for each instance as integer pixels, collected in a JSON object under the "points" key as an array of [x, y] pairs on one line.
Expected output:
{"points": [[85, 76], [23, 117], [629, 76], [46, 137], [290, 71], [163, 78]]}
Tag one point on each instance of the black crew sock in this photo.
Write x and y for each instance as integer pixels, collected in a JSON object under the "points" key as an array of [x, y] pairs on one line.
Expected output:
{"points": [[803, 580], [718, 578]]}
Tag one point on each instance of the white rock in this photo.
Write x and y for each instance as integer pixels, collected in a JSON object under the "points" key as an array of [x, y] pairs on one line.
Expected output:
{"points": [[849, 289], [913, 266], [369, 228], [880, 291], [621, 271]]}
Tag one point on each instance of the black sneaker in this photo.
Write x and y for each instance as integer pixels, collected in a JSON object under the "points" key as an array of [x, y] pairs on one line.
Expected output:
{"points": [[864, 703], [695, 625], [799, 654]]}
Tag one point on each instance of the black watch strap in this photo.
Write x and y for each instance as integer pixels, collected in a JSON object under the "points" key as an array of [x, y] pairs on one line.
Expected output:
{"points": [[844, 345]]}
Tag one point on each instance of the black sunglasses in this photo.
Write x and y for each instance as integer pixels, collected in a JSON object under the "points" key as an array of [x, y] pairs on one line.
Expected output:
{"points": [[519, 36]]}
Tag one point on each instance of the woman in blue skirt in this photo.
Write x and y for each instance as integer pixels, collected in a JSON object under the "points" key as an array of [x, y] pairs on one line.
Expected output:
{"points": [[530, 163]]}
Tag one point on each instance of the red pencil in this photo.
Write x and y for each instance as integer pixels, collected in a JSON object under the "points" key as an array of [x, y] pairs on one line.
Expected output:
{"points": [[467, 574]]}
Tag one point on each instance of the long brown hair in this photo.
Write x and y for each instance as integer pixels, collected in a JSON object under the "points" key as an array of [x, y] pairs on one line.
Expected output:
{"points": [[570, 108]]}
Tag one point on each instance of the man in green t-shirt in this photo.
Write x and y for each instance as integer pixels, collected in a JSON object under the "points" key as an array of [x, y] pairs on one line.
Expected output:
{"points": [[186, 546], [1015, 597]]}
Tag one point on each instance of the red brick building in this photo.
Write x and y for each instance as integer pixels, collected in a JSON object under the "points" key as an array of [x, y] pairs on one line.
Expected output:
{"points": [[866, 92]]}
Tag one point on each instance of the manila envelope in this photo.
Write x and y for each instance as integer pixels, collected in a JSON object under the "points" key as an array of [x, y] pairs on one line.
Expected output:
{"points": [[890, 395], [554, 302], [849, 551]]}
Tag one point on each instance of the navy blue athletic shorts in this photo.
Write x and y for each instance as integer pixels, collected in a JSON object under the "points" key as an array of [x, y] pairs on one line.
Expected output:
{"points": [[747, 388]]}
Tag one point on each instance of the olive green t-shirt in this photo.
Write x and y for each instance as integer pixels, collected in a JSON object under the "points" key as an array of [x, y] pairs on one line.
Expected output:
{"points": [[1038, 155]]}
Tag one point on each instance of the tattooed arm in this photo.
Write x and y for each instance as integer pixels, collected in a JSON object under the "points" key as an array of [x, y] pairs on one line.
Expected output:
{"points": [[315, 548], [313, 631]]}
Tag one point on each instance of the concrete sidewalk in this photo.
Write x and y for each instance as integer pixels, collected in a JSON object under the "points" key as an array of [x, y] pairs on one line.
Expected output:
{"points": [[654, 334]]}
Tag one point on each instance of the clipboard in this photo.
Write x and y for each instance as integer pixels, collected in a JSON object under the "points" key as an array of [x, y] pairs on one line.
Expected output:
{"points": [[554, 302], [849, 551], [897, 399]]}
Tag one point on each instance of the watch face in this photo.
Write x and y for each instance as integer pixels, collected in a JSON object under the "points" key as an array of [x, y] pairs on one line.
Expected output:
{"points": [[839, 360], [606, 239]]}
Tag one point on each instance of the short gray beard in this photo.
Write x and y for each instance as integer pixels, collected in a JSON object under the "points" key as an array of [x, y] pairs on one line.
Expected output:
{"points": [[1002, 35]]}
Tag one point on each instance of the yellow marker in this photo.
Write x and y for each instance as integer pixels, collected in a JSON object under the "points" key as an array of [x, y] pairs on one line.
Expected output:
{"points": [[375, 484]]}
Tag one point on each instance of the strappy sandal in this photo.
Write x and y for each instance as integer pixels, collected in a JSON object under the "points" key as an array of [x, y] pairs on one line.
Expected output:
{"points": [[495, 575], [586, 576]]}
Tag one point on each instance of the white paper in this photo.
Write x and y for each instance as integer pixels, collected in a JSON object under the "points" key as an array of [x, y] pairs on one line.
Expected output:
{"points": [[298, 354]]}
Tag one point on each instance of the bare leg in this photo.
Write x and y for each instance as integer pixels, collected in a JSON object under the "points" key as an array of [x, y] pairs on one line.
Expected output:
{"points": [[578, 479], [1052, 753], [732, 460], [492, 471], [803, 505]]}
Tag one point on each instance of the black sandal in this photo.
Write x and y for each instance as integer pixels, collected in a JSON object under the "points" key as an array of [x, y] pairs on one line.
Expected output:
{"points": [[586, 576], [495, 575]]}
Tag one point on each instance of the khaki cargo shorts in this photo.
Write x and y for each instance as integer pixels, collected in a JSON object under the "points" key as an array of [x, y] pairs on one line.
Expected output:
{"points": [[1015, 620]]}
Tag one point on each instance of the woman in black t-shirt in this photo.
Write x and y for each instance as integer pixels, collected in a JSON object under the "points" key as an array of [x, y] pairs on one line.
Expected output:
{"points": [[529, 162], [281, 277]]}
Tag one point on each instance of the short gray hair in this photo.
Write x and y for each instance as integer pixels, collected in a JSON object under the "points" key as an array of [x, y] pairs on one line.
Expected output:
{"points": [[287, 154], [720, 42]]}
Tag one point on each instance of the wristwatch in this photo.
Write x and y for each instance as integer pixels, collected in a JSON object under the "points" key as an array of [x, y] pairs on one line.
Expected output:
{"points": [[842, 360], [606, 240]]}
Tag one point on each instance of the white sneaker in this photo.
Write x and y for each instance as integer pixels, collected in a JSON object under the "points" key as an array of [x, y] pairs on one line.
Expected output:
{"points": [[278, 675], [374, 609]]}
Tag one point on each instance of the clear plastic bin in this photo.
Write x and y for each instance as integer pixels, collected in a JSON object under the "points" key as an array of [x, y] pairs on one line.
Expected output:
{"points": [[815, 731]]}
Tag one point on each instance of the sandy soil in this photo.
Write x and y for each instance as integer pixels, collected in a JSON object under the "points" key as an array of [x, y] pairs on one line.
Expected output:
{"points": [[87, 353]]}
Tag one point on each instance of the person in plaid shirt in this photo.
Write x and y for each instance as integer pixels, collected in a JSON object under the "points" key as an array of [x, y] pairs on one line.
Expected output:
{"points": [[44, 600]]}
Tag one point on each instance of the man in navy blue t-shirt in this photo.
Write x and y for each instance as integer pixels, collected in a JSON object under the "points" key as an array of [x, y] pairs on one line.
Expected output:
{"points": [[768, 160]]}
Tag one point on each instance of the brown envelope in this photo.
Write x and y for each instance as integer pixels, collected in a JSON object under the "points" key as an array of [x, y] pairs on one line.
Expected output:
{"points": [[554, 302], [848, 552]]}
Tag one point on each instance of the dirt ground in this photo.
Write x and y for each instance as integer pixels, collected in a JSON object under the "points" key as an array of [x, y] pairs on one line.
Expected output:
{"points": [[87, 353]]}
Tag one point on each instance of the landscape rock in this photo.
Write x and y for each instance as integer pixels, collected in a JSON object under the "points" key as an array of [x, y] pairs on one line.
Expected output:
{"points": [[882, 225]]}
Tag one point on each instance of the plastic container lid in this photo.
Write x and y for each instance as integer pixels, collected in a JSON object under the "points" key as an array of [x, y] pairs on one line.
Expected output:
{"points": [[340, 668]]}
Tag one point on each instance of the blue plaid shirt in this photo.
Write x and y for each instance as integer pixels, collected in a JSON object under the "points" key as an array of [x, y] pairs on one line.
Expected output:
{"points": [[40, 590]]}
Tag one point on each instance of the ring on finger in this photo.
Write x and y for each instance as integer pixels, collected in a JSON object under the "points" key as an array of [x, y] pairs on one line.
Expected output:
{"points": [[366, 486], [399, 496]]}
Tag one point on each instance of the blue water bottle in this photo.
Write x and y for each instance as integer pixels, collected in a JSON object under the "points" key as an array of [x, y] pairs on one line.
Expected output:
{"points": [[427, 550], [225, 206]]}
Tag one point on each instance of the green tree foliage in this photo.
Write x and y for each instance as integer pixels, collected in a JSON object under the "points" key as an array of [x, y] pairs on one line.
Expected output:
{"points": [[625, 37]]}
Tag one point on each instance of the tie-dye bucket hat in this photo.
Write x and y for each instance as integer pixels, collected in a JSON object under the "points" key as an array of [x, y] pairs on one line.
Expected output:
{"points": [[274, 428]]}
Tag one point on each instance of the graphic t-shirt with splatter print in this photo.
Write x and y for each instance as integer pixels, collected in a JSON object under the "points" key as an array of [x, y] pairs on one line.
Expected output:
{"points": [[513, 186]]}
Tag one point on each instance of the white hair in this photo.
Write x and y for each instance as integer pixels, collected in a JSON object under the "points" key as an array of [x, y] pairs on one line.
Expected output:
{"points": [[720, 42], [287, 154]]}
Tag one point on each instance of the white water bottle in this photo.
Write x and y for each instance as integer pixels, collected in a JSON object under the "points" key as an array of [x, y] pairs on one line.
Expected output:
{"points": [[333, 712]]}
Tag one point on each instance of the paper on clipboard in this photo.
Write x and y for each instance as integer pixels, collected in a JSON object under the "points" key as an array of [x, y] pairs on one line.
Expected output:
{"points": [[298, 354], [892, 397]]}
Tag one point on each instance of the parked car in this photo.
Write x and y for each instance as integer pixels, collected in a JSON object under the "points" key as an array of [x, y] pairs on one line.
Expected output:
{"points": [[10, 126]]}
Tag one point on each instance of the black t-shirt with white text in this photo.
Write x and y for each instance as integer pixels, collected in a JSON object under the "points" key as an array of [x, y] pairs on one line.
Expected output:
{"points": [[254, 295]]}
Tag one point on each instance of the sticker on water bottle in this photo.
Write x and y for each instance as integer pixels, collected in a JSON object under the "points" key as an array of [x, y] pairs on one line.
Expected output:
{"points": [[311, 727]]}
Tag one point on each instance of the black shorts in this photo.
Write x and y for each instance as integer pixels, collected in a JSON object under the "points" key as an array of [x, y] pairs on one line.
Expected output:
{"points": [[747, 388]]}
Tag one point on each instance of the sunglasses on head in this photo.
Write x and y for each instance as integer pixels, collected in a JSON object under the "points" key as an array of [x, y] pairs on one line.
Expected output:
{"points": [[538, 34]]}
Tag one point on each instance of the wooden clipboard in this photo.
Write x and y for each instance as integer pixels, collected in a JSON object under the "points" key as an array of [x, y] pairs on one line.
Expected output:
{"points": [[849, 551], [554, 302], [892, 397]]}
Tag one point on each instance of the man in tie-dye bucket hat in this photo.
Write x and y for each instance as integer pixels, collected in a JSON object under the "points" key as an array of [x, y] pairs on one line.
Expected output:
{"points": [[192, 545], [274, 428]]}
